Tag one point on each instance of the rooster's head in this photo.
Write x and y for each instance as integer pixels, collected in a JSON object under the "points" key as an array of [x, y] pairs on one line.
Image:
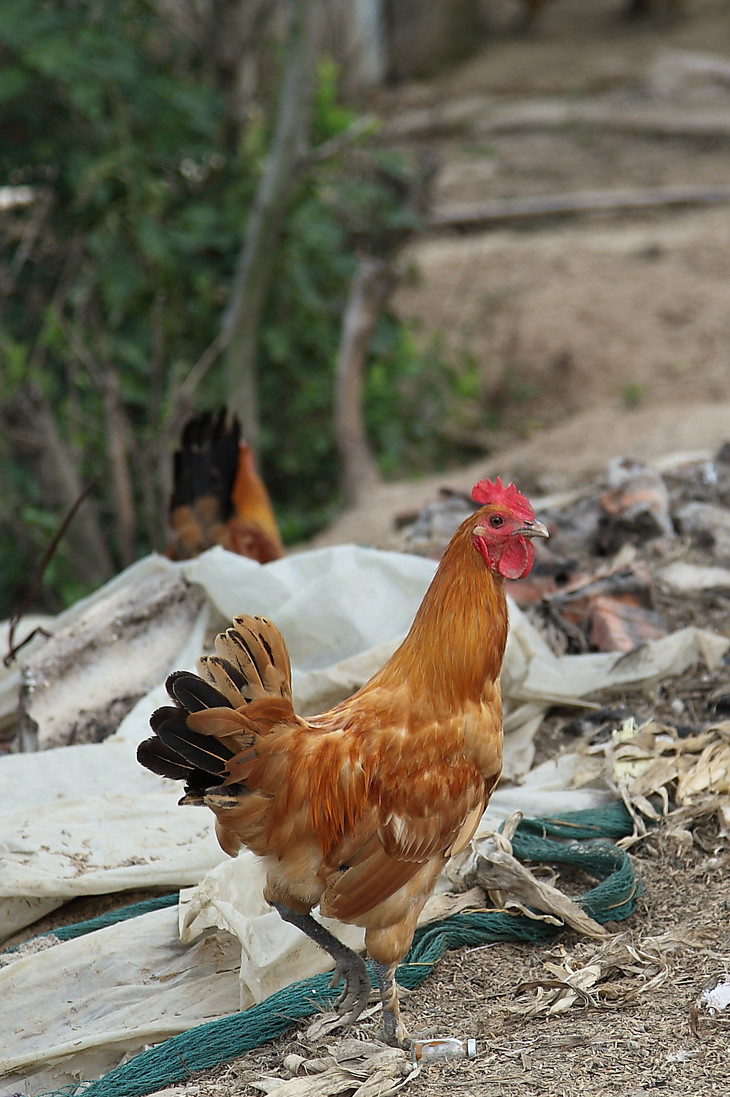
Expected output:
{"points": [[504, 528]]}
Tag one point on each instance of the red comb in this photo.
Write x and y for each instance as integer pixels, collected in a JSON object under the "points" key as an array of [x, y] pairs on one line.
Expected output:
{"points": [[487, 492]]}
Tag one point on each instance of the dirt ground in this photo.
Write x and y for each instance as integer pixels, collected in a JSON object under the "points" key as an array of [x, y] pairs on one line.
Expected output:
{"points": [[605, 310], [601, 335], [632, 1042], [597, 335]]}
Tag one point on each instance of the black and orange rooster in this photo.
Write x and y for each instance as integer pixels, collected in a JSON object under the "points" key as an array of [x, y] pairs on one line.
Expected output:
{"points": [[359, 809], [218, 498]]}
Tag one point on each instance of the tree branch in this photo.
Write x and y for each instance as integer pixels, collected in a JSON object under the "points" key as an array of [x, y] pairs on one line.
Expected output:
{"points": [[371, 286], [258, 253], [14, 648]]}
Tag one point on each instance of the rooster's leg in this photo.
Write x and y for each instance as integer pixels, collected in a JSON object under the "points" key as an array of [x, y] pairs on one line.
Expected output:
{"points": [[393, 1028], [350, 966]]}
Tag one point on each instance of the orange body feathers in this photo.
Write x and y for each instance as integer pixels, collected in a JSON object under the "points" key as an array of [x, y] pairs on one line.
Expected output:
{"points": [[358, 809]]}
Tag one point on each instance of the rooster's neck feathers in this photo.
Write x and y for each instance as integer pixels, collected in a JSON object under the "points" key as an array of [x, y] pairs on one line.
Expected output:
{"points": [[456, 643]]}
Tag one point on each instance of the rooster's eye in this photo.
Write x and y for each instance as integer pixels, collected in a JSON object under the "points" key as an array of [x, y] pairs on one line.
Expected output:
{"points": [[496, 521]]}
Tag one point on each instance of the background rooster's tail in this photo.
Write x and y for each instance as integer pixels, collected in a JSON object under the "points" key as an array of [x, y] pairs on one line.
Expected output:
{"points": [[204, 472]]}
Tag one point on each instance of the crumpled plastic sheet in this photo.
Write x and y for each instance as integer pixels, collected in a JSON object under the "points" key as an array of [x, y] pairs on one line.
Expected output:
{"points": [[89, 820]]}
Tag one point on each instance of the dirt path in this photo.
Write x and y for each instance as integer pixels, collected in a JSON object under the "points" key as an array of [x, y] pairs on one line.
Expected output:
{"points": [[599, 335]]}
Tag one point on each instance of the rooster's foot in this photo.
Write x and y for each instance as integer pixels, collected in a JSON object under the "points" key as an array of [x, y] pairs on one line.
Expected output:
{"points": [[355, 994], [394, 1031], [350, 966]]}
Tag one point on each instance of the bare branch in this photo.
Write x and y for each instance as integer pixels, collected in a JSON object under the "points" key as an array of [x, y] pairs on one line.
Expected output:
{"points": [[185, 395], [13, 649], [257, 256], [60, 476], [370, 289]]}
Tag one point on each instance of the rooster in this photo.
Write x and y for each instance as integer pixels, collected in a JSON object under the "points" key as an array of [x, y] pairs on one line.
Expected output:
{"points": [[359, 809], [218, 498]]}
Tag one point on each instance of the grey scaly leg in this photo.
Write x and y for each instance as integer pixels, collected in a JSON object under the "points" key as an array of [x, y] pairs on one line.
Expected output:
{"points": [[350, 967], [393, 1028]]}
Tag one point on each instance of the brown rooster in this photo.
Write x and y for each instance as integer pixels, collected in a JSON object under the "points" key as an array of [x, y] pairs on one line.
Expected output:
{"points": [[218, 498], [359, 809]]}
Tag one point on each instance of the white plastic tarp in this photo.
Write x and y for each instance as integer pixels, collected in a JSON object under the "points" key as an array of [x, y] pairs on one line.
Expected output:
{"points": [[89, 820]]}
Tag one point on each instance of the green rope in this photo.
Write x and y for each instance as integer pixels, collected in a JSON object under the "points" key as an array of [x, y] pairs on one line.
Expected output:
{"points": [[610, 821], [578, 839], [78, 929]]}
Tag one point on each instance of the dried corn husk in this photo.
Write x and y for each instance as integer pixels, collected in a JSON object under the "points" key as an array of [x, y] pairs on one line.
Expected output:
{"points": [[608, 975], [652, 765]]}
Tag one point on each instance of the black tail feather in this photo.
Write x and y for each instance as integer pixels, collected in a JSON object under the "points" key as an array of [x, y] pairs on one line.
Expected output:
{"points": [[206, 463], [250, 665], [201, 751], [154, 755], [193, 694], [158, 717]]}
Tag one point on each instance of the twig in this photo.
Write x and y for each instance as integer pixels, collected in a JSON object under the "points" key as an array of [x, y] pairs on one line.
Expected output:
{"points": [[502, 210], [365, 124], [13, 649], [187, 389]]}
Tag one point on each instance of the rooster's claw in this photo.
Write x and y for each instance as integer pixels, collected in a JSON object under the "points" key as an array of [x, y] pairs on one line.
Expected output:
{"points": [[356, 991]]}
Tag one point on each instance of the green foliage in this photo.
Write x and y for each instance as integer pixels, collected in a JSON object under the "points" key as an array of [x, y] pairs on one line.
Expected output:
{"points": [[415, 398], [105, 111], [123, 123], [330, 116], [633, 394]]}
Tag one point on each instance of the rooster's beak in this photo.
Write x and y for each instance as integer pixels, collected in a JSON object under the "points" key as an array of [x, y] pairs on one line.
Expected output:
{"points": [[534, 529]]}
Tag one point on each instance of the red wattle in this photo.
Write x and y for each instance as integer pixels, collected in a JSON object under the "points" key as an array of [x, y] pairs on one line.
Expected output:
{"points": [[516, 559]]}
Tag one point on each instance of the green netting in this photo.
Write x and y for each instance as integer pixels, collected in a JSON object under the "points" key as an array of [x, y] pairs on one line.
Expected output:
{"points": [[579, 839]]}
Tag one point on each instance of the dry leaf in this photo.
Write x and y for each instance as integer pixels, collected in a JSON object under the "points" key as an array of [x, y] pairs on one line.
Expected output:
{"points": [[351, 1067], [585, 981], [509, 881], [653, 762]]}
